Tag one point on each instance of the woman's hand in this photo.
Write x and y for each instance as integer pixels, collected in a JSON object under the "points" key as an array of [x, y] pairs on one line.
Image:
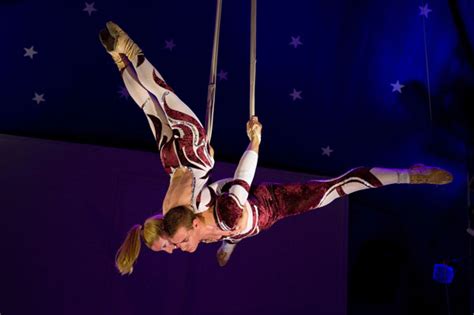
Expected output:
{"points": [[254, 130]]}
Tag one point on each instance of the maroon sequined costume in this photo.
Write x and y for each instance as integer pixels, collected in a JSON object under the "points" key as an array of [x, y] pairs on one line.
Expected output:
{"points": [[179, 135], [270, 202]]}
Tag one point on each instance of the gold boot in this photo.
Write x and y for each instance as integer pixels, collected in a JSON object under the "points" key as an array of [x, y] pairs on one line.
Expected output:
{"points": [[109, 42], [123, 44], [422, 174]]}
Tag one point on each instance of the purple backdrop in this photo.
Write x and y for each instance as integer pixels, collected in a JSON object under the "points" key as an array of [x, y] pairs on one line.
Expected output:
{"points": [[67, 207]]}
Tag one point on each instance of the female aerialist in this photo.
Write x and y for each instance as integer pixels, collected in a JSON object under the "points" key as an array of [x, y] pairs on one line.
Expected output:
{"points": [[185, 152], [246, 210]]}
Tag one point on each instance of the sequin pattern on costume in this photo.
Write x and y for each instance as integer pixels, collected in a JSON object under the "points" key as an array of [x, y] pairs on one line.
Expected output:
{"points": [[272, 202]]}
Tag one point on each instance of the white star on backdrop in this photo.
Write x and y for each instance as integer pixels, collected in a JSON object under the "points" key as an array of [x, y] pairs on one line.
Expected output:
{"points": [[222, 75], [123, 92], [169, 44], [425, 10], [296, 95], [295, 41], [397, 87], [90, 8], [38, 98], [30, 52], [327, 151]]}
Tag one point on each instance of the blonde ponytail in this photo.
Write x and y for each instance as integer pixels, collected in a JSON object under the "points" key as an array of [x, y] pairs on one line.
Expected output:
{"points": [[127, 254]]}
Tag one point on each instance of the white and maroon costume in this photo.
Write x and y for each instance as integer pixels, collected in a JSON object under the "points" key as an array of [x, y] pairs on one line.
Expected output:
{"points": [[180, 137], [267, 203], [181, 140]]}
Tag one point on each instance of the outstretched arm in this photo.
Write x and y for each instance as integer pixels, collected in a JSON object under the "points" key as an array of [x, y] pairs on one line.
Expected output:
{"points": [[231, 205], [245, 171], [243, 178]]}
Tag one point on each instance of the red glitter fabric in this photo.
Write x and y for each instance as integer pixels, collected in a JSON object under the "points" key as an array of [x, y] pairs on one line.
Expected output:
{"points": [[188, 145], [272, 202]]}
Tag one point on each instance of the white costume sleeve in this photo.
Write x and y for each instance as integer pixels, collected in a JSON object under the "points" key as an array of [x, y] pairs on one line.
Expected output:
{"points": [[245, 172]]}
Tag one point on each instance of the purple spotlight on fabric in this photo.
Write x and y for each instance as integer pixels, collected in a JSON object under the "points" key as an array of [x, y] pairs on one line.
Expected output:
{"points": [[443, 273]]}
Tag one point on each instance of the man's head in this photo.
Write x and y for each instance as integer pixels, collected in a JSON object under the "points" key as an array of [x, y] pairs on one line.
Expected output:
{"points": [[184, 228]]}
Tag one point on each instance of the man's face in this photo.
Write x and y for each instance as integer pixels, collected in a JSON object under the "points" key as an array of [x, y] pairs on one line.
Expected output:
{"points": [[162, 244], [186, 240]]}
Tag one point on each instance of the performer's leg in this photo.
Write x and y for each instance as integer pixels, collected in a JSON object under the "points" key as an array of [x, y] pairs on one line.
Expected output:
{"points": [[190, 134], [153, 81], [359, 179], [149, 104], [123, 50], [117, 42], [300, 197], [179, 115], [189, 146], [153, 110]]}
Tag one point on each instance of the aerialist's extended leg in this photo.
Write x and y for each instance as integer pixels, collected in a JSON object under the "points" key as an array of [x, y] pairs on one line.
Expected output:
{"points": [[180, 136], [291, 199], [119, 44], [149, 104], [192, 147], [277, 201], [192, 144]]}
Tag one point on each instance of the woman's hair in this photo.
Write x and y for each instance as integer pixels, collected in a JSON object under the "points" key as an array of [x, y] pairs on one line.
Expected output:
{"points": [[128, 252], [178, 217]]}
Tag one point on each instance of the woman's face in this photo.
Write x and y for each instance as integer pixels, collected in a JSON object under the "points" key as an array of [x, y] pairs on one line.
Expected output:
{"points": [[162, 244]]}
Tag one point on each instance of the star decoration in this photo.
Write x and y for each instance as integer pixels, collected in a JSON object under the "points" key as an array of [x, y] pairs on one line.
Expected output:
{"points": [[327, 151], [169, 44], [295, 41], [90, 8], [222, 75], [30, 52], [38, 98], [296, 95], [397, 87], [123, 92], [425, 10]]}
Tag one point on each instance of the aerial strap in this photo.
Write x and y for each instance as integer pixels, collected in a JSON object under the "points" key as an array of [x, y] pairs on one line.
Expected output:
{"points": [[211, 89], [253, 56]]}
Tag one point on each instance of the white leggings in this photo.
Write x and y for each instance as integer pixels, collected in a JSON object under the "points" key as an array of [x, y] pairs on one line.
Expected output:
{"points": [[179, 135]]}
